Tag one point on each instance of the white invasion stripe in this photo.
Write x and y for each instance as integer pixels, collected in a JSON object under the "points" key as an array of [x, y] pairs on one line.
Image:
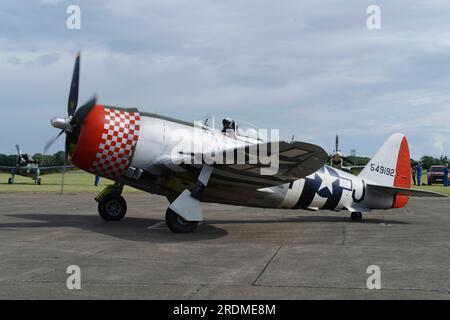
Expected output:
{"points": [[345, 201], [318, 201], [293, 194], [345, 183]]}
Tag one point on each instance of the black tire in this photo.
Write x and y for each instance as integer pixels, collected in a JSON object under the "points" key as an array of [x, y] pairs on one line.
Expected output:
{"points": [[177, 224], [356, 216], [39, 181], [10, 181], [112, 207]]}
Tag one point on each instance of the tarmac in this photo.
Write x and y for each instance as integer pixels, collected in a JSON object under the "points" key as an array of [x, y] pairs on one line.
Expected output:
{"points": [[237, 253]]}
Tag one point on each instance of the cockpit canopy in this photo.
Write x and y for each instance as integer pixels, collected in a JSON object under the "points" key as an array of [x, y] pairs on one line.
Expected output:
{"points": [[239, 128]]}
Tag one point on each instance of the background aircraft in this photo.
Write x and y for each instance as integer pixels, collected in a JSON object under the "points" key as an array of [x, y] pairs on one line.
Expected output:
{"points": [[154, 153], [337, 160], [28, 167]]}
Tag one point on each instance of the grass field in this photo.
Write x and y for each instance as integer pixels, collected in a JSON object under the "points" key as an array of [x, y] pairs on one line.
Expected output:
{"points": [[74, 182], [78, 182]]}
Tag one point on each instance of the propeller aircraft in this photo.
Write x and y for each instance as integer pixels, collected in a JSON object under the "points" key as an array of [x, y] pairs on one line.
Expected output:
{"points": [[26, 166], [337, 160], [190, 163]]}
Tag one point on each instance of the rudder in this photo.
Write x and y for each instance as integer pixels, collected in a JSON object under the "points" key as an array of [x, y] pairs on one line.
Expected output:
{"points": [[391, 167]]}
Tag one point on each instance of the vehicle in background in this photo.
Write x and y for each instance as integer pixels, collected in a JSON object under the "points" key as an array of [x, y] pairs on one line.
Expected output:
{"points": [[436, 174]]}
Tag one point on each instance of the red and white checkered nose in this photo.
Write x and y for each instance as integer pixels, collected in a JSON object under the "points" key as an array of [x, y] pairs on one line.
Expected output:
{"points": [[107, 141]]}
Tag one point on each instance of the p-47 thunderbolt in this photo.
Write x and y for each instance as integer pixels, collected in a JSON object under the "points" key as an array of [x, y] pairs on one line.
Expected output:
{"points": [[26, 166], [155, 153]]}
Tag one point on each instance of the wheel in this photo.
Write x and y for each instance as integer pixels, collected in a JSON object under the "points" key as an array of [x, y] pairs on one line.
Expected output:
{"points": [[10, 180], [356, 216], [38, 181], [177, 224], [112, 207]]}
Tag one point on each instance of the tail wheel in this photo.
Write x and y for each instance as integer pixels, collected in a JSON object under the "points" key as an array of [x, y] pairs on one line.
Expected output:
{"points": [[38, 181], [10, 180], [177, 224], [356, 216], [112, 207]]}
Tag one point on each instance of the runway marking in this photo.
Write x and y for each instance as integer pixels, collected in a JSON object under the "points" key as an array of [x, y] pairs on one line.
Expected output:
{"points": [[156, 225], [384, 224]]}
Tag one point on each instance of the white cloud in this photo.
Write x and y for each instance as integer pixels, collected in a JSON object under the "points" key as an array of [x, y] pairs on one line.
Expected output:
{"points": [[309, 68]]}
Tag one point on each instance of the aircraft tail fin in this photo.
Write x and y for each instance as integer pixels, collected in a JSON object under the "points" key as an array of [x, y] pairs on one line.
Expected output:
{"points": [[391, 167]]}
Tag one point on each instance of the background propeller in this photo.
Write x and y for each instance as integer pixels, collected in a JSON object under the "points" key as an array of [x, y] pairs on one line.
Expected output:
{"points": [[18, 150]]}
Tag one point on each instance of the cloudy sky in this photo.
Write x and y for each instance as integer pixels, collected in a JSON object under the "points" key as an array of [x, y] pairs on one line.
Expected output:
{"points": [[311, 68]]}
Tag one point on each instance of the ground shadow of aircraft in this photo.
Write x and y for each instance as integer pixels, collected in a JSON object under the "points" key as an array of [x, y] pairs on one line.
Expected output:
{"points": [[136, 229], [131, 228]]}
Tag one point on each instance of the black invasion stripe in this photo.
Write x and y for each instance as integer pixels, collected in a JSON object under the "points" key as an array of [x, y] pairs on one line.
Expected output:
{"points": [[333, 201], [307, 196]]}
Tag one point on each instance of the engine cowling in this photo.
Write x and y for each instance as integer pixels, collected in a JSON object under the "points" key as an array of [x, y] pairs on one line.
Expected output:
{"points": [[106, 141]]}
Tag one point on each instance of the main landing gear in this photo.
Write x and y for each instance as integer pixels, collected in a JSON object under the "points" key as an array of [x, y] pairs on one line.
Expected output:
{"points": [[182, 216], [111, 205], [177, 224], [356, 216], [11, 179], [185, 212]]}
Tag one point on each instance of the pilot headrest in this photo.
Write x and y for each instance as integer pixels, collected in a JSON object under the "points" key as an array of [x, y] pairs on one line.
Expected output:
{"points": [[227, 120]]}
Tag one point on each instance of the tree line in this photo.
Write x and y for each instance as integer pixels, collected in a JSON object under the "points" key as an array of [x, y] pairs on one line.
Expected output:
{"points": [[57, 159], [427, 161]]}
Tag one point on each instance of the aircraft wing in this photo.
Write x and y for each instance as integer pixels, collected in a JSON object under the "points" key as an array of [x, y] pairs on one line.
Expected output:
{"points": [[405, 191], [296, 160], [6, 169], [55, 169]]}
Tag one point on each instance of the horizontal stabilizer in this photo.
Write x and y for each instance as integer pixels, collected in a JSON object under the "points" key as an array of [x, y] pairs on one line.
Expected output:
{"points": [[405, 191]]}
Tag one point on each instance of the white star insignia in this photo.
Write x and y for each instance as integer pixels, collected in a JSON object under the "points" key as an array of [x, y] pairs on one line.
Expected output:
{"points": [[327, 180]]}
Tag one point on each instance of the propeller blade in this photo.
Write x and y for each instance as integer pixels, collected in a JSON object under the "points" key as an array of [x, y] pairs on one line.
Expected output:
{"points": [[18, 150], [52, 141], [83, 111], [74, 86]]}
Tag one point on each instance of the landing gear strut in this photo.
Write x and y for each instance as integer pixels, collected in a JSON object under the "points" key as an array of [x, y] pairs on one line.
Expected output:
{"points": [[356, 216], [177, 224], [185, 212], [11, 179], [111, 205]]}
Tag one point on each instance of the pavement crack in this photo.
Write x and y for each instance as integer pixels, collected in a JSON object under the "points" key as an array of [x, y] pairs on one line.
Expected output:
{"points": [[195, 291], [267, 265], [344, 235]]}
